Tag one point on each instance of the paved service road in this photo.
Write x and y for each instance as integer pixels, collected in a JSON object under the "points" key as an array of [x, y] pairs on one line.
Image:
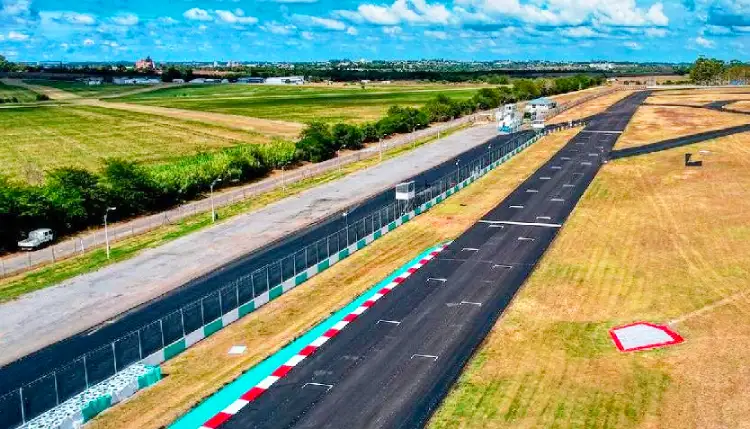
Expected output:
{"points": [[376, 374]]}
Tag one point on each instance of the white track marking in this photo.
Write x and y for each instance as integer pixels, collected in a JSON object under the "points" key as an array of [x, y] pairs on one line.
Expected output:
{"points": [[327, 386], [433, 357], [510, 222]]}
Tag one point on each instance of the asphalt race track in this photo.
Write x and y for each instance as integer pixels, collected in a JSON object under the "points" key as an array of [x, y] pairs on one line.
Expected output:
{"points": [[56, 355], [678, 142], [394, 364]]}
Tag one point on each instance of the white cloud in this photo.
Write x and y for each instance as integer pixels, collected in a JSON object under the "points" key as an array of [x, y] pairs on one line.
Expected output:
{"points": [[656, 32], [88, 42], [440, 35], [564, 12], [167, 20], [700, 40], [111, 44], [307, 35], [411, 11], [392, 30], [633, 45], [330, 24], [126, 19], [197, 14], [576, 32], [352, 31], [17, 36], [236, 17], [279, 29], [16, 7], [348, 15], [73, 18]]}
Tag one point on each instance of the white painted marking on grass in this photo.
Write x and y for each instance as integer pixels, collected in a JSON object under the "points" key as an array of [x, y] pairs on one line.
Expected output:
{"points": [[433, 357], [510, 222], [237, 350]]}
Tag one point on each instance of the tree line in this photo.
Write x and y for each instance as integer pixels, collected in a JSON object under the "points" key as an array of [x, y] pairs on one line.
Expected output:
{"points": [[73, 199], [711, 71]]}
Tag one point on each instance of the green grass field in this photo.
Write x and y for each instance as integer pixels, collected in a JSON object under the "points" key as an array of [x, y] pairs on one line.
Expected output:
{"points": [[21, 94], [35, 140], [83, 90], [299, 103]]}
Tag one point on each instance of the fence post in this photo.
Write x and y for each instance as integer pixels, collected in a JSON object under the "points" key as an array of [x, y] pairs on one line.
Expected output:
{"points": [[140, 346], [203, 319], [23, 412], [182, 318], [161, 328], [237, 290], [114, 356], [57, 394], [86, 370]]}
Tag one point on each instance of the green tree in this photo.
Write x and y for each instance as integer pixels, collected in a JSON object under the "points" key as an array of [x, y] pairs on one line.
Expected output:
{"points": [[706, 71], [316, 142], [129, 187], [348, 137], [74, 197]]}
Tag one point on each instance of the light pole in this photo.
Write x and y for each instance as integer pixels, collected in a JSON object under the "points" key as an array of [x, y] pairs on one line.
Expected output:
{"points": [[106, 232], [213, 211], [346, 219], [489, 152]]}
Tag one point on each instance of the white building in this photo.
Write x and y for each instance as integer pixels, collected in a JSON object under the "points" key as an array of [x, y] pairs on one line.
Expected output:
{"points": [[509, 119], [540, 106], [289, 80]]}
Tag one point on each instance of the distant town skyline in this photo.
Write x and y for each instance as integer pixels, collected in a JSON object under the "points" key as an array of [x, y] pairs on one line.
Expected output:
{"points": [[317, 30]]}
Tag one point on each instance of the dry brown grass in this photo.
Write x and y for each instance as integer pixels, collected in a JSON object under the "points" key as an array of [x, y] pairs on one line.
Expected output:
{"points": [[698, 97], [650, 240], [597, 105], [743, 106], [651, 124], [201, 370]]}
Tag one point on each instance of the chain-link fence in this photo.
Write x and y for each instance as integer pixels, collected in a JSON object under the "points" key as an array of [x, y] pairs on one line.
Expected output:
{"points": [[31, 400]]}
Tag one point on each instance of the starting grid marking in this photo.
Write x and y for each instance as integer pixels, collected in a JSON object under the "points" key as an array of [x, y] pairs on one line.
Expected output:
{"points": [[510, 222], [280, 372]]}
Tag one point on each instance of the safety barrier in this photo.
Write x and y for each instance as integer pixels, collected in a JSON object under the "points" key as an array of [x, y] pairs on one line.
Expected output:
{"points": [[175, 332]]}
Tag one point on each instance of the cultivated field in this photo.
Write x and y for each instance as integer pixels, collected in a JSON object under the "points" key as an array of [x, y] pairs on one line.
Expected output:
{"points": [[298, 103], [83, 90], [650, 240], [202, 370], [38, 139], [652, 124], [23, 95]]}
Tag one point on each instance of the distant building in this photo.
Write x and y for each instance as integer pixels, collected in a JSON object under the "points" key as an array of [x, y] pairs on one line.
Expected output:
{"points": [[289, 80], [251, 80], [145, 64], [540, 106], [509, 119]]}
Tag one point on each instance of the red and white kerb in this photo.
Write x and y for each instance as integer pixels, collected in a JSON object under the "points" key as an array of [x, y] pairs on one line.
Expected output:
{"points": [[284, 369]]}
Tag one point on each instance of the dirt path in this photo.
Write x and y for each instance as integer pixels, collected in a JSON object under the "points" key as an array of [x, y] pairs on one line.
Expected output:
{"points": [[52, 93], [263, 126]]}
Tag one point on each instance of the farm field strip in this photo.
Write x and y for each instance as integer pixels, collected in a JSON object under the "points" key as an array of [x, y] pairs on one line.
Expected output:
{"points": [[82, 136], [23, 95]]}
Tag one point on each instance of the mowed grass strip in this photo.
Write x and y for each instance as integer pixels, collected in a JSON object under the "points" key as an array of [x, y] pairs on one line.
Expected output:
{"points": [[82, 89], [652, 124], [22, 95], [650, 241], [200, 371], [297, 104], [49, 275], [35, 140], [699, 97]]}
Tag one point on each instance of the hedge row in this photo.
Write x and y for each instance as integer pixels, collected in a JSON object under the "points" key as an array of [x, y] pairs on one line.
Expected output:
{"points": [[72, 199]]}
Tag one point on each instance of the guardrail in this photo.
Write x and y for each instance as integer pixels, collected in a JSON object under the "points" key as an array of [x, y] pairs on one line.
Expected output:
{"points": [[174, 332]]}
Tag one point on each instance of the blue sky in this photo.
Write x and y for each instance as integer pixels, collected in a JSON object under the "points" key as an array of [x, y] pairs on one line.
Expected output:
{"points": [[302, 30]]}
